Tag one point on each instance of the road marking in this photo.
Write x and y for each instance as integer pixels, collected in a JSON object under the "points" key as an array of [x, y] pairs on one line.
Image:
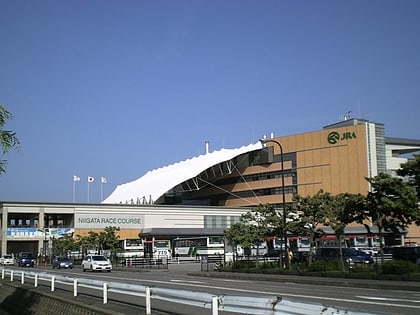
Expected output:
{"points": [[187, 281], [377, 298]]}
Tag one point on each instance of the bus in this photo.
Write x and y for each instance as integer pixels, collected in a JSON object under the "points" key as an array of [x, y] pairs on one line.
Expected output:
{"points": [[256, 249], [162, 248], [299, 243], [367, 243], [131, 248], [295, 243], [199, 246]]}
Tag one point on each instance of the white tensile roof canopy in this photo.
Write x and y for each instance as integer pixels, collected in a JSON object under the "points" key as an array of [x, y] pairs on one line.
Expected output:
{"points": [[154, 184]]}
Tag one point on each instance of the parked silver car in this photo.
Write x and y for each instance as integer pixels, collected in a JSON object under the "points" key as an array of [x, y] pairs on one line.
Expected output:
{"points": [[7, 260]]}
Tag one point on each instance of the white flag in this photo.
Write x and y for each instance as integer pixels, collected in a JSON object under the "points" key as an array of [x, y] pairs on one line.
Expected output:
{"points": [[76, 178], [103, 180], [91, 179]]}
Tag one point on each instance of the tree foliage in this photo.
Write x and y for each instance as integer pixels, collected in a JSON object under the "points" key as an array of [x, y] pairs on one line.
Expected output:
{"points": [[310, 216], [391, 204], [109, 239], [8, 139], [412, 170], [104, 240], [254, 226], [62, 245], [340, 211]]}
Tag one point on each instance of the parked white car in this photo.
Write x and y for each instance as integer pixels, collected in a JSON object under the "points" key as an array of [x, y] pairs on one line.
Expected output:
{"points": [[96, 262], [7, 260]]}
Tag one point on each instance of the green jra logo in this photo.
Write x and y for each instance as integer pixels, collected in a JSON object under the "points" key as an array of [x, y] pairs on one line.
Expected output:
{"points": [[334, 137]]}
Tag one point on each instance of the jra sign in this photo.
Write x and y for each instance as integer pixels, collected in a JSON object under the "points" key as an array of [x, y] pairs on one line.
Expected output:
{"points": [[334, 137]]}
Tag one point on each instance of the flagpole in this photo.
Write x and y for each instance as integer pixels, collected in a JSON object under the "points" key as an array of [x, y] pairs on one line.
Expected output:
{"points": [[90, 179], [75, 179], [103, 181]]}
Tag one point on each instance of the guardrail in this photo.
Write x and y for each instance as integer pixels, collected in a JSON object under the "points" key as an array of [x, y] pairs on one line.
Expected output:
{"points": [[274, 305]]}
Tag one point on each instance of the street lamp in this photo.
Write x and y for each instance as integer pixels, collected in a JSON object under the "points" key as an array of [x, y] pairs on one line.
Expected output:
{"points": [[45, 231], [286, 256]]}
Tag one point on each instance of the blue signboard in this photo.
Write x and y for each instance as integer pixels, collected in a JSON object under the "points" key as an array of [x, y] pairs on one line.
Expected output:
{"points": [[38, 233]]}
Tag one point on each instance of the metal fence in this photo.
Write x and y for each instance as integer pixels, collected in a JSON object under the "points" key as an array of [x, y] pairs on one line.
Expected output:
{"points": [[210, 263], [155, 263], [273, 305]]}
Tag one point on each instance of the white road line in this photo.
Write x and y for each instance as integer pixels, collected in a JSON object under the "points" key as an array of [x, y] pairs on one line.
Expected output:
{"points": [[377, 298], [186, 281]]}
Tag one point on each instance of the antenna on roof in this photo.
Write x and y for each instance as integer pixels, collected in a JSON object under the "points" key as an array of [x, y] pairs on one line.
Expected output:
{"points": [[347, 115], [207, 147]]}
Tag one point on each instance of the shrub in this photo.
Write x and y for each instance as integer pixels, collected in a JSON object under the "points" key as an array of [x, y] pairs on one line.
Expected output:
{"points": [[363, 268], [326, 265], [318, 265], [398, 267], [244, 264]]}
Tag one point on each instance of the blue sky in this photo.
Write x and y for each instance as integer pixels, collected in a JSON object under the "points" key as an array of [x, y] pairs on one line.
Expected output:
{"points": [[118, 88]]}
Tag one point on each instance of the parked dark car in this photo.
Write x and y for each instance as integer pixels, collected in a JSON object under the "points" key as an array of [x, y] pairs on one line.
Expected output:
{"points": [[62, 262], [411, 253], [350, 255], [25, 259]]}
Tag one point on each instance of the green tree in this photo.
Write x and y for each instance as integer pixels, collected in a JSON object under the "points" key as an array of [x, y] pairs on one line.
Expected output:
{"points": [[412, 170], [391, 205], [342, 210], [254, 226], [88, 242], [104, 240], [108, 239], [62, 245], [8, 139], [310, 215]]}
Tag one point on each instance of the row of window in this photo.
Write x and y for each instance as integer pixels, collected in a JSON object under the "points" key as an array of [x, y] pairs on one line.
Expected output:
{"points": [[219, 221], [16, 220], [255, 177]]}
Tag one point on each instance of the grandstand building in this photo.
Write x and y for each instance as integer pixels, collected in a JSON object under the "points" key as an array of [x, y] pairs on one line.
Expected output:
{"points": [[206, 194]]}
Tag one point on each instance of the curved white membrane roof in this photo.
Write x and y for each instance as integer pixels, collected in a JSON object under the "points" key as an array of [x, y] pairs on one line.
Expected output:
{"points": [[155, 183]]}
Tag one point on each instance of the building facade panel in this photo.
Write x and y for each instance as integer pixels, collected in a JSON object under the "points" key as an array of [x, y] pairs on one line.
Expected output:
{"points": [[332, 159]]}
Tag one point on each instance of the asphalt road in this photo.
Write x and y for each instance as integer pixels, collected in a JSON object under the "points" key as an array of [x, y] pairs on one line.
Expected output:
{"points": [[364, 296]]}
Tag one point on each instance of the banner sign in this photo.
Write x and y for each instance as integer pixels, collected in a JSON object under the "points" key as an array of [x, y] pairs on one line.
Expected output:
{"points": [[35, 233], [101, 221]]}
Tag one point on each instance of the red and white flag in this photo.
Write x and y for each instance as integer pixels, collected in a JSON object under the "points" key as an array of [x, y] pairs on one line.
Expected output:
{"points": [[91, 179]]}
